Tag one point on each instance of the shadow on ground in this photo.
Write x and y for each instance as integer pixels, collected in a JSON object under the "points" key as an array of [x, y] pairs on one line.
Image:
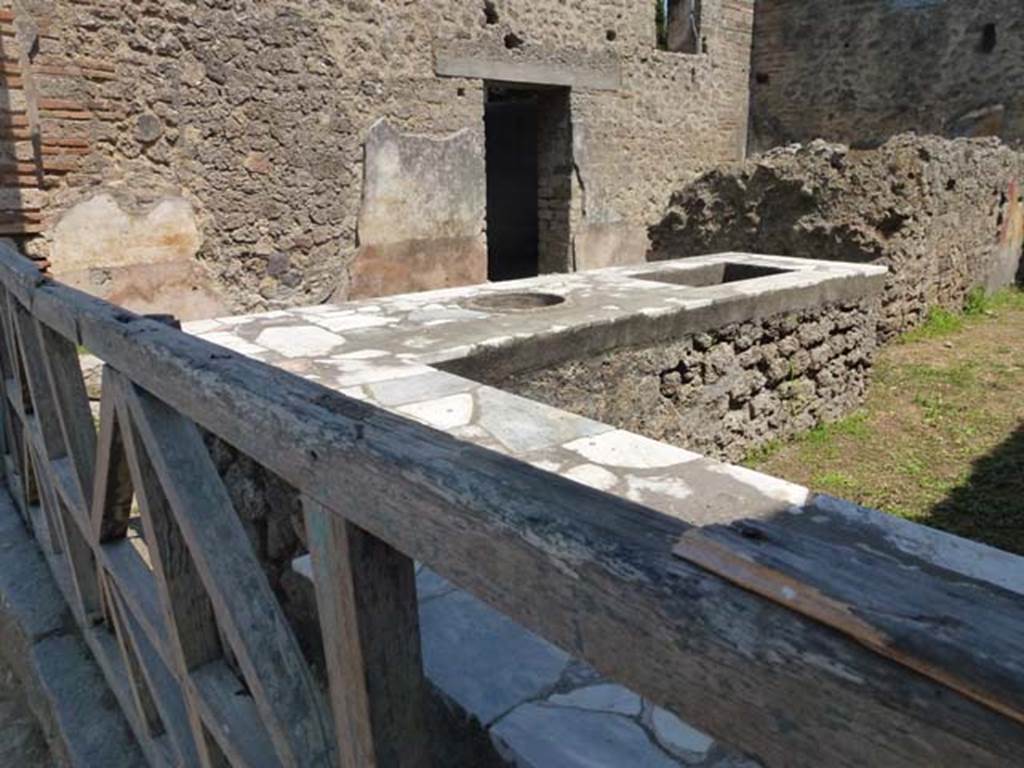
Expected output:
{"points": [[989, 506]]}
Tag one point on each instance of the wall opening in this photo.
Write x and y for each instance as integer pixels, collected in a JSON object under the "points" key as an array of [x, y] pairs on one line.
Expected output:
{"points": [[491, 13], [678, 26], [529, 181], [989, 38]]}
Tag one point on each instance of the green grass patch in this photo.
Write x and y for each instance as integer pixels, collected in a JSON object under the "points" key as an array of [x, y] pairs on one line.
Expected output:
{"points": [[978, 304], [940, 439], [938, 323], [836, 482], [959, 376], [821, 438], [857, 424], [763, 453], [934, 408]]}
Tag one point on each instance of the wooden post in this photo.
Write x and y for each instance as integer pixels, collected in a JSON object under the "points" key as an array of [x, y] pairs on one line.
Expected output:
{"points": [[366, 596]]}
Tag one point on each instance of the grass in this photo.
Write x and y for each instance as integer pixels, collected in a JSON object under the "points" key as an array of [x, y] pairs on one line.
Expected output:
{"points": [[940, 439], [942, 322], [939, 323]]}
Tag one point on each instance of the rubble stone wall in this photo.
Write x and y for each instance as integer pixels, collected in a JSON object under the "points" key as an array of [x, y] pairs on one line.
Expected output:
{"points": [[945, 216], [860, 71], [726, 391], [255, 117]]}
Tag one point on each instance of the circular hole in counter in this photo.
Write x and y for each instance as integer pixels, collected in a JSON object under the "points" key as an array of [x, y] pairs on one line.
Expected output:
{"points": [[514, 301]]}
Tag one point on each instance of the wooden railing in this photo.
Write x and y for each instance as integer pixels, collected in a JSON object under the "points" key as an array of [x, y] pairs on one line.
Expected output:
{"points": [[849, 661]]}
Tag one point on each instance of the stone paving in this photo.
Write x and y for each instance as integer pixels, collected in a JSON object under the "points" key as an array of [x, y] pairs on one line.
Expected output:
{"points": [[21, 740], [74, 708], [542, 708]]}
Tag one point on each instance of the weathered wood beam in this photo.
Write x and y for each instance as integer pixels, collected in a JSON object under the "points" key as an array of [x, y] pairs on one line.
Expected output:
{"points": [[159, 751], [73, 547], [6, 340], [596, 574], [234, 720], [39, 510], [230, 718], [8, 359], [269, 655], [186, 608], [44, 407], [167, 697], [71, 404], [145, 705], [137, 588], [366, 601]]}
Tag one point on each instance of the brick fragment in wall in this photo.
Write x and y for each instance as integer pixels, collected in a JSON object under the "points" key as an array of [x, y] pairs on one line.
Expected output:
{"points": [[946, 216]]}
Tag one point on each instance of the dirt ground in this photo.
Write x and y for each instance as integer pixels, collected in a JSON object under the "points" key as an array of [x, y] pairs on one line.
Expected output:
{"points": [[940, 439]]}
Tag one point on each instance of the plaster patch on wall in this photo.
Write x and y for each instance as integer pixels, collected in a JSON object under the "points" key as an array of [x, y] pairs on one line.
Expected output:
{"points": [[1006, 264], [98, 233], [593, 204], [144, 261], [610, 245], [421, 225], [421, 188], [602, 238]]}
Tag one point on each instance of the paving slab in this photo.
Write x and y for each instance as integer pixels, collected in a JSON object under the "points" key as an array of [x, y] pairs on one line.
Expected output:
{"points": [[59, 680]]}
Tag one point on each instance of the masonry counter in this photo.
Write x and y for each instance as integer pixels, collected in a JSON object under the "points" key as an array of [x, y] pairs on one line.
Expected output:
{"points": [[637, 382]]}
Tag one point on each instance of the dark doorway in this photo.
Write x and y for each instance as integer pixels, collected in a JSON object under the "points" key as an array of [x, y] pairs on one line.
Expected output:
{"points": [[511, 124], [529, 189]]}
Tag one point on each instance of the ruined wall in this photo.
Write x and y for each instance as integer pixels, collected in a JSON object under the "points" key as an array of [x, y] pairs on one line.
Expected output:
{"points": [[726, 391], [251, 120], [860, 71], [944, 216]]}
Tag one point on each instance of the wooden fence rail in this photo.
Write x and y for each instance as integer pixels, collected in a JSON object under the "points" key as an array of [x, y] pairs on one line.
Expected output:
{"points": [[880, 661]]}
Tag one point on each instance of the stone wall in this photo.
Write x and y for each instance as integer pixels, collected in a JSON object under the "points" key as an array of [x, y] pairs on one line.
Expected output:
{"points": [[723, 392], [254, 118], [944, 216], [558, 185], [860, 71]]}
